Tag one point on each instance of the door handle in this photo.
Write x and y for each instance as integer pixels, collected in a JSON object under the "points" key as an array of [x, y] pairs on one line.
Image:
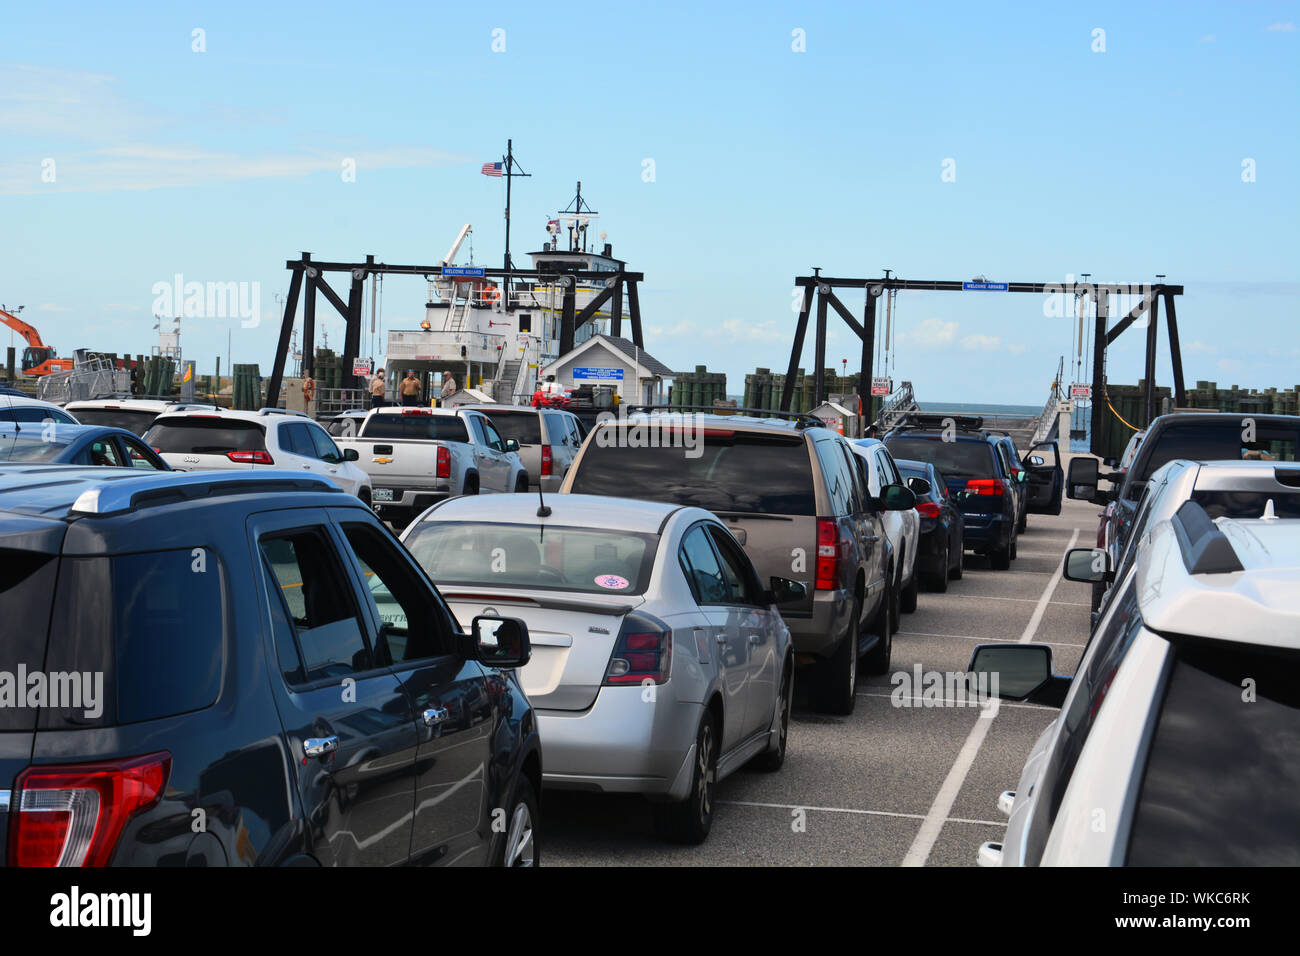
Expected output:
{"points": [[320, 746], [754, 639], [435, 715]]}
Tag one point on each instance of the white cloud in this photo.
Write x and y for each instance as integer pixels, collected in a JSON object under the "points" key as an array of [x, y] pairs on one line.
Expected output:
{"points": [[1208, 38], [51, 307], [745, 330], [1199, 347], [928, 334], [121, 307], [981, 343], [1017, 349], [1280, 27]]}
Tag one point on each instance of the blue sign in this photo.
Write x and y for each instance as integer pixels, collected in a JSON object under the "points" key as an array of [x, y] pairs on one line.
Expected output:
{"points": [[984, 287], [599, 374], [472, 271]]}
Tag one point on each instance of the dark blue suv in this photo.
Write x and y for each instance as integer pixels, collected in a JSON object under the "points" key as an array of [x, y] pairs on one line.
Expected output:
{"points": [[245, 669], [979, 482]]}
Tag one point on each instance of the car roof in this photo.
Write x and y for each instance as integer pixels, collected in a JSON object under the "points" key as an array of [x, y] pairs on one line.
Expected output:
{"points": [[239, 414], [575, 511], [131, 404], [13, 401], [706, 420], [63, 432], [415, 410], [1237, 579]]}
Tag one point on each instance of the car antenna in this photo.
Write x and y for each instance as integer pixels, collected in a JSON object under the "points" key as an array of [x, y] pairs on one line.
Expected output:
{"points": [[542, 510]]}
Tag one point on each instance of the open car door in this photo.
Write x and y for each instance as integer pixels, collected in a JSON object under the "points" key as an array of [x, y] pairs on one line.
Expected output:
{"points": [[1046, 480]]}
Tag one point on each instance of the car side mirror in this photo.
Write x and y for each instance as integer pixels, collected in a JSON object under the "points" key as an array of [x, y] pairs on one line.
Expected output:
{"points": [[350, 454], [501, 641], [1082, 478], [1088, 565], [897, 498], [785, 591], [1017, 672], [919, 486], [1022, 476], [1036, 461], [512, 444]]}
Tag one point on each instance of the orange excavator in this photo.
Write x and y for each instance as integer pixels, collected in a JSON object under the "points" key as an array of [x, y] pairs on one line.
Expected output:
{"points": [[38, 358]]}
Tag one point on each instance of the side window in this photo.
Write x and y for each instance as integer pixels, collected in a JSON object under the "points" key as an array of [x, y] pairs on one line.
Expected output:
{"points": [[101, 452], [476, 426], [316, 593], [413, 625], [839, 481], [137, 455], [492, 437], [324, 447], [294, 440], [702, 569], [888, 476], [737, 569], [861, 496]]}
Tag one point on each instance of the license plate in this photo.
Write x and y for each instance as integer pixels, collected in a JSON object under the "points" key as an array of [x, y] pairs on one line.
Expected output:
{"points": [[382, 494]]}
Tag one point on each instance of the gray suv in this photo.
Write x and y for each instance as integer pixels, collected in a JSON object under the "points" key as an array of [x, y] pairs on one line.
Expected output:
{"points": [[549, 439], [795, 496]]}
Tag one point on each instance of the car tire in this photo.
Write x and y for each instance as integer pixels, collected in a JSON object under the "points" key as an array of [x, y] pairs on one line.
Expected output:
{"points": [[689, 821], [1023, 523], [521, 484], [363, 495], [837, 676], [471, 485], [771, 760], [1011, 549], [876, 660], [519, 844], [939, 582], [907, 600], [959, 567], [1000, 558]]}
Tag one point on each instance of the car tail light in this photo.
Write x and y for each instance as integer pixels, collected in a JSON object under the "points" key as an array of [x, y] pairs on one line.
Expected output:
{"points": [[986, 486], [546, 461], [417, 411], [74, 815], [928, 509], [444, 462], [832, 546], [251, 457], [644, 651]]}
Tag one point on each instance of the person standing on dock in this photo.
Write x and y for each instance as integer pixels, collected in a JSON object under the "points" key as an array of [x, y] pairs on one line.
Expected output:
{"points": [[377, 387], [410, 388], [309, 393], [448, 387]]}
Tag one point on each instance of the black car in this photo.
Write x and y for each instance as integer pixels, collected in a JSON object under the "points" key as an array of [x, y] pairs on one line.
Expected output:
{"points": [[942, 534], [94, 445], [222, 688]]}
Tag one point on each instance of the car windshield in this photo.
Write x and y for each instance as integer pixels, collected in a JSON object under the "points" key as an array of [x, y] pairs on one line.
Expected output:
{"points": [[955, 459], [31, 448], [419, 426], [132, 420], [550, 557], [1234, 439], [728, 471], [196, 435], [523, 427]]}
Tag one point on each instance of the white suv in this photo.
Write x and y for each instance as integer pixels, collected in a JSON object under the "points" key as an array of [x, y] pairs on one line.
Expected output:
{"points": [[133, 414], [901, 527], [219, 438], [1178, 735]]}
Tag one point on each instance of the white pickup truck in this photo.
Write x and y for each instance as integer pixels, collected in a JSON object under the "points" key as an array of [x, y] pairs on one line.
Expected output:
{"points": [[416, 457]]}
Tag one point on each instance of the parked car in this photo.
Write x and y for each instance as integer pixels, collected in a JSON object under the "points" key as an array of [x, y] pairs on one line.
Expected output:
{"points": [[1006, 447], [901, 527], [660, 661], [549, 439], [978, 480], [220, 439], [255, 708], [26, 409], [942, 530], [418, 456], [1178, 731], [795, 497], [133, 414], [92, 445], [1195, 436]]}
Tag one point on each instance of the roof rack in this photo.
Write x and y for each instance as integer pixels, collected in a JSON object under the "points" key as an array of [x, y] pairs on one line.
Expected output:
{"points": [[801, 419], [1205, 549], [281, 411], [122, 494]]}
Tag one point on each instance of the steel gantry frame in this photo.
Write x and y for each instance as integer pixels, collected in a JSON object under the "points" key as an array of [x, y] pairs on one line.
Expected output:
{"points": [[823, 289], [308, 278]]}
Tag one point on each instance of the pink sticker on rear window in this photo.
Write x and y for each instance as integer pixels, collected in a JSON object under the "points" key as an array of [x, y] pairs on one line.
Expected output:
{"points": [[613, 582]]}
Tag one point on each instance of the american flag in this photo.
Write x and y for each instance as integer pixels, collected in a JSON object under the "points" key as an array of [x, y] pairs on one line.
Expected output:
{"points": [[491, 169]]}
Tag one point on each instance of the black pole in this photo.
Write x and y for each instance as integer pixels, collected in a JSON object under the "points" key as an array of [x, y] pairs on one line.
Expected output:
{"points": [[1175, 353], [510, 160], [309, 321], [1153, 330], [352, 333], [282, 346], [616, 310], [868, 355], [566, 318], [634, 313], [1098, 371], [819, 373], [796, 352]]}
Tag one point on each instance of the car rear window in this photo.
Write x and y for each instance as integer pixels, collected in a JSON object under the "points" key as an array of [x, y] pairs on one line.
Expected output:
{"points": [[148, 628], [1247, 504], [1221, 441], [523, 427], [553, 558], [132, 421], [955, 459], [430, 427], [752, 473], [205, 436], [27, 581], [1222, 776]]}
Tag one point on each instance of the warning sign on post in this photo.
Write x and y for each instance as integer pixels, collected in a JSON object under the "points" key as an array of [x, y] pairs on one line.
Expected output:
{"points": [[360, 366], [1081, 391], [881, 386]]}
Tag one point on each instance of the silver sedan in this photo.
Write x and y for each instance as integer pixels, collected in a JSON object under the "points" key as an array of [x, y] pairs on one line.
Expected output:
{"points": [[660, 663]]}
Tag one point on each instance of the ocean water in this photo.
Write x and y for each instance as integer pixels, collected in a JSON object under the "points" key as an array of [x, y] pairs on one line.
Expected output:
{"points": [[971, 408]]}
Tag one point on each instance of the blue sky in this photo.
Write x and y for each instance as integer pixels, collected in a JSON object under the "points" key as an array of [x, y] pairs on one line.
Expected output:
{"points": [[219, 165]]}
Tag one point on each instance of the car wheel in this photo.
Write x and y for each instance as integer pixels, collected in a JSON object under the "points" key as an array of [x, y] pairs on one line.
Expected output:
{"points": [[1000, 559], [939, 582], [471, 485], [520, 846], [1011, 550], [521, 484], [838, 674], [884, 625], [771, 761], [907, 601], [1023, 523], [364, 495], [689, 820]]}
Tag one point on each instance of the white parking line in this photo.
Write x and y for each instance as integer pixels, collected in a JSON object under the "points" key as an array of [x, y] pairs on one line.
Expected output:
{"points": [[971, 637], [990, 597], [957, 705], [868, 813], [932, 825]]}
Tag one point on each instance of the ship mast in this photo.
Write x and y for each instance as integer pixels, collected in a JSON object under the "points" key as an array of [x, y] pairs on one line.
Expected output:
{"points": [[510, 174]]}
